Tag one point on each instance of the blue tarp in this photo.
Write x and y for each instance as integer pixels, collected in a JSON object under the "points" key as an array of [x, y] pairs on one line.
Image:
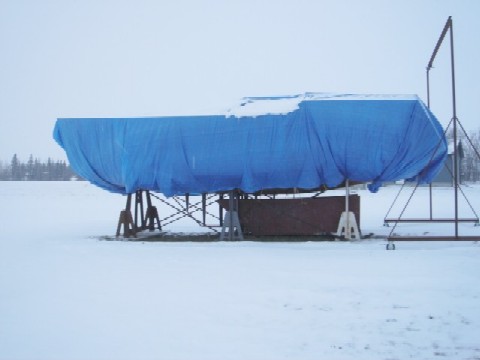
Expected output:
{"points": [[321, 140]]}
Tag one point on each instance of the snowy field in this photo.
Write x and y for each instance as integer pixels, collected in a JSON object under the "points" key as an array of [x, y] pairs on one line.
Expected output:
{"points": [[66, 294]]}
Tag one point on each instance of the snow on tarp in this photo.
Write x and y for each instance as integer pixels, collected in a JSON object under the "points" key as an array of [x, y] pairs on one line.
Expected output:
{"points": [[300, 141]]}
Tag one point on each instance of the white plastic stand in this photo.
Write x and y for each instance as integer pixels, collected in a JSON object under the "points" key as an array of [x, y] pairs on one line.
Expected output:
{"points": [[347, 226], [231, 222]]}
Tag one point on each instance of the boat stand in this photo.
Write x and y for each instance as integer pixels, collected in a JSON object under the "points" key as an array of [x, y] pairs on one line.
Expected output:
{"points": [[145, 219], [231, 220]]}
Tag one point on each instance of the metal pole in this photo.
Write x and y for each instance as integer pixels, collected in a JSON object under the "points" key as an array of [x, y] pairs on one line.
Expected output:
{"points": [[428, 105], [135, 219], [204, 208], [231, 209], [449, 26], [220, 209], [428, 88], [455, 160], [348, 236], [142, 211], [431, 200], [129, 202]]}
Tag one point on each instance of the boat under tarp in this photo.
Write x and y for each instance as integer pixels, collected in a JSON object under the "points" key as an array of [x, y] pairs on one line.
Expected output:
{"points": [[303, 141]]}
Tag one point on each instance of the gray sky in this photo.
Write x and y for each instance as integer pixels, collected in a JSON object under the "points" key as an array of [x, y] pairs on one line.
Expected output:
{"points": [[101, 58]]}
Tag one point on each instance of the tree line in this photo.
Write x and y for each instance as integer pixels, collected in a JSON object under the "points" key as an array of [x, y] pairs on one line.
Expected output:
{"points": [[471, 157], [58, 170], [35, 169]]}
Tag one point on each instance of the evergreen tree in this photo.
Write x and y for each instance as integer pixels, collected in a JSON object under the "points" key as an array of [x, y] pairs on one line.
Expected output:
{"points": [[15, 168], [30, 168]]}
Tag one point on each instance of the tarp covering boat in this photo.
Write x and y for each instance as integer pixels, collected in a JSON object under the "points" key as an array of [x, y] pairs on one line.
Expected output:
{"points": [[301, 141]]}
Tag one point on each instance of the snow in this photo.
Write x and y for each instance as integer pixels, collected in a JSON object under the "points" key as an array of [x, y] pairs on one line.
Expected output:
{"points": [[66, 294], [264, 106], [277, 105]]}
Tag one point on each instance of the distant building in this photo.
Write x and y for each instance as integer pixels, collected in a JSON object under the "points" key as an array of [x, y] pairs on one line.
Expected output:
{"points": [[445, 176]]}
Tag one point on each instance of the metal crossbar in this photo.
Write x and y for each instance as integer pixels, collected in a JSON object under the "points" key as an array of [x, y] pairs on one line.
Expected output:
{"points": [[183, 213]]}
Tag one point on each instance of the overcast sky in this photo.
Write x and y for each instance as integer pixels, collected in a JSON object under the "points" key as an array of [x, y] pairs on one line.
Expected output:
{"points": [[96, 58]]}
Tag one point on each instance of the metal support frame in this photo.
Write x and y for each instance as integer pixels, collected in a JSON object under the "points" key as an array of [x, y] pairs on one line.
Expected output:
{"points": [[455, 175], [146, 215], [183, 210]]}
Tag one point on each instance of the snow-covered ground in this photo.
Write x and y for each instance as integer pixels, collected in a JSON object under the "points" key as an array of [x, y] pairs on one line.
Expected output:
{"points": [[66, 294]]}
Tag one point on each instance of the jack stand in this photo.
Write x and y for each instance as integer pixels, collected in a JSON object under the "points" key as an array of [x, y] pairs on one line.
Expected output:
{"points": [[126, 220], [347, 226], [231, 220], [151, 215]]}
